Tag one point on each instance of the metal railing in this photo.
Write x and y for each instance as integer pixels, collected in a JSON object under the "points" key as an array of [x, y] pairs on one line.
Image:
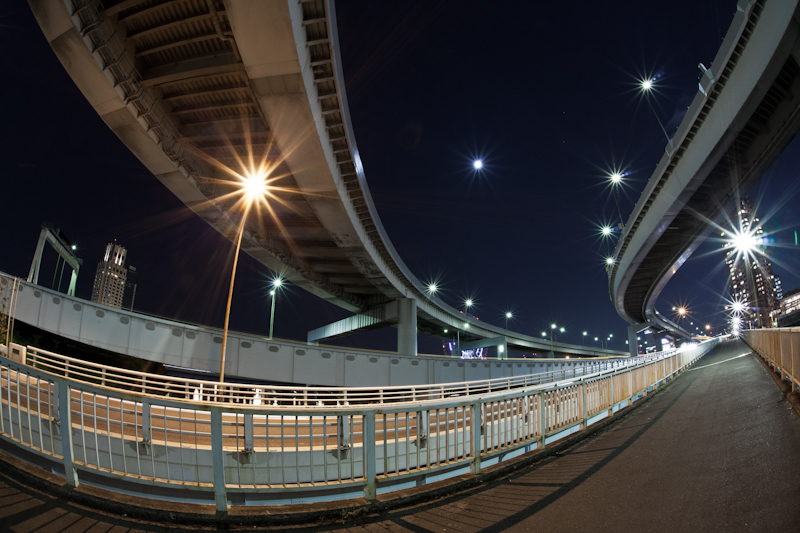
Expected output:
{"points": [[199, 390], [780, 347], [230, 453]]}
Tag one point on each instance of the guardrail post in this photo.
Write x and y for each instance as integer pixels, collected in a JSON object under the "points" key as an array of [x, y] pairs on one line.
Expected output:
{"points": [[343, 431], [630, 380], [583, 424], [476, 438], [66, 434], [542, 420], [611, 388], [146, 426], [370, 474], [248, 433], [220, 495], [422, 425], [55, 408]]}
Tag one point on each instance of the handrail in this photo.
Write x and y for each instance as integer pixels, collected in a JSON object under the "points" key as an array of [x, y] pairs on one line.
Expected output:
{"points": [[271, 454], [780, 347], [199, 390]]}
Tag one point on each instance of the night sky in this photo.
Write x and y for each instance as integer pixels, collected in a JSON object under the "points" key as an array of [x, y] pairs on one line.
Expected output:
{"points": [[546, 93]]}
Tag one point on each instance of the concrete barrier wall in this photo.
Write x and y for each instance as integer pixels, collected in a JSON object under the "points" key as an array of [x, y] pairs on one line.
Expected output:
{"points": [[258, 358]]}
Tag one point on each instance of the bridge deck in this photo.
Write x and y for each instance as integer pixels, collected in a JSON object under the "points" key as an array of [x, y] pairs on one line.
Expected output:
{"points": [[716, 451]]}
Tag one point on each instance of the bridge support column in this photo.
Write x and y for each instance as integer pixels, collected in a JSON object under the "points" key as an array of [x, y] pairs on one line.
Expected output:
{"points": [[406, 326], [633, 343]]}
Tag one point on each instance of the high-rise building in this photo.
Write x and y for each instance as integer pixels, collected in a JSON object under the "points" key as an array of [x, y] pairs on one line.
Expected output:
{"points": [[129, 295], [111, 277], [751, 280]]}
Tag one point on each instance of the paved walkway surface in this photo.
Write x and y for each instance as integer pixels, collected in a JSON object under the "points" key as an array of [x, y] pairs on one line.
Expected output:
{"points": [[718, 450]]}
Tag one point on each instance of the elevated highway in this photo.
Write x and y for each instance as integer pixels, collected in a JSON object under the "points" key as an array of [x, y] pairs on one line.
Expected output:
{"points": [[193, 86], [745, 113]]}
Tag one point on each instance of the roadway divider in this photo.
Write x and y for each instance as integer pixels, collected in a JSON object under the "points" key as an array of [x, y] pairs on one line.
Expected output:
{"points": [[780, 347], [218, 451]]}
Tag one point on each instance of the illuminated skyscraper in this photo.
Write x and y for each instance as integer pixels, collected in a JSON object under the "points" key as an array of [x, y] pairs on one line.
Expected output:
{"points": [[750, 276], [111, 277]]}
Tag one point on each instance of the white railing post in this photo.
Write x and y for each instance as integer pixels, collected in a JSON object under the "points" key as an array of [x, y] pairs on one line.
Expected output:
{"points": [[146, 426], [217, 457], [583, 424], [630, 380], [248, 433], [370, 473], [475, 438], [611, 388], [422, 425], [343, 431], [542, 420], [65, 416]]}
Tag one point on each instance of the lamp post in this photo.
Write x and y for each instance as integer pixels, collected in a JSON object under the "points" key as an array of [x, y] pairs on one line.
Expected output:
{"points": [[508, 315], [230, 296], [616, 180], [276, 284], [254, 188]]}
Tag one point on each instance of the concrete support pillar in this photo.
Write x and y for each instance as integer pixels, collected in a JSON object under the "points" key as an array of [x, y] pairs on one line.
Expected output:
{"points": [[33, 276], [406, 326], [502, 348], [73, 281], [633, 344]]}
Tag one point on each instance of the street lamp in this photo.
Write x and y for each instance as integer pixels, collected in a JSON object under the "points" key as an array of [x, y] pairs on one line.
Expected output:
{"points": [[276, 284], [508, 316], [467, 304], [646, 86], [584, 338], [254, 188]]}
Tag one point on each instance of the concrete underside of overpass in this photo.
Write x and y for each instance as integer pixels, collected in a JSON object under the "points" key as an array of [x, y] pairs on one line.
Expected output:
{"points": [[744, 115], [196, 88]]}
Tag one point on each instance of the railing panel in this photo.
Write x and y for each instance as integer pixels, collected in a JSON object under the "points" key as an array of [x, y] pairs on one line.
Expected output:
{"points": [[300, 438]]}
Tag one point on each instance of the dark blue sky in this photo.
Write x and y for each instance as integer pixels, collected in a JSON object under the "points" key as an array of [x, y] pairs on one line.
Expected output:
{"points": [[545, 93]]}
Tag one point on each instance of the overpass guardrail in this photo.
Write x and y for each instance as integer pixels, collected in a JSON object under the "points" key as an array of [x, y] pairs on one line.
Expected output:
{"points": [[780, 347], [221, 450]]}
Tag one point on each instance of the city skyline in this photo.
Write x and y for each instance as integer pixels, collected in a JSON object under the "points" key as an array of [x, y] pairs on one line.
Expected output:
{"points": [[518, 235]]}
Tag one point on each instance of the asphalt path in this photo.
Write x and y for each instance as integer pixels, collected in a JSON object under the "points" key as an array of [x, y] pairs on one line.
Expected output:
{"points": [[716, 451]]}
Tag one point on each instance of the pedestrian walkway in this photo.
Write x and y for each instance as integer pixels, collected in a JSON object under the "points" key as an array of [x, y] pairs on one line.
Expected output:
{"points": [[718, 450]]}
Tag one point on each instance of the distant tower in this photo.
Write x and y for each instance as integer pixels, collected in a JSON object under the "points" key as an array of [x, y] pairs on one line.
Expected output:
{"points": [[756, 287], [110, 279]]}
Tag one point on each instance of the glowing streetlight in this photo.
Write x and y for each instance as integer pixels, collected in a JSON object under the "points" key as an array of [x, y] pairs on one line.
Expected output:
{"points": [[467, 304], [477, 164], [646, 85], [509, 315], [254, 188], [606, 231], [616, 178], [276, 284], [432, 288], [609, 261]]}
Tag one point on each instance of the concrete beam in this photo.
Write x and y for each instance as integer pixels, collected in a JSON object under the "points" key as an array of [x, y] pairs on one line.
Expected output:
{"points": [[192, 68], [401, 312]]}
